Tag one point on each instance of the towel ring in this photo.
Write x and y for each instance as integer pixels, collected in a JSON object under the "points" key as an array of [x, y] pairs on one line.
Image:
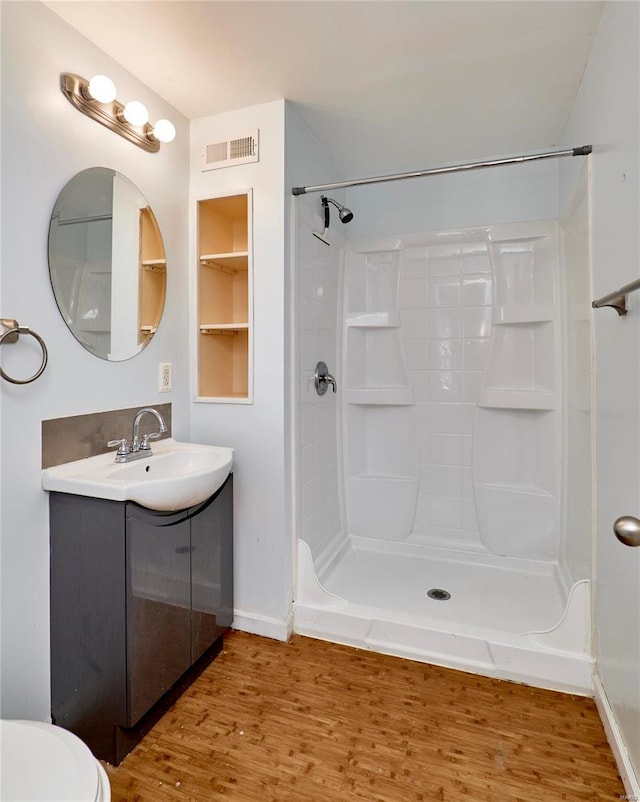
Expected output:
{"points": [[11, 331]]}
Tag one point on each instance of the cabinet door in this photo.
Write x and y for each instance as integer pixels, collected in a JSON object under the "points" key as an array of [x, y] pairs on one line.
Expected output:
{"points": [[212, 570], [88, 643], [158, 605]]}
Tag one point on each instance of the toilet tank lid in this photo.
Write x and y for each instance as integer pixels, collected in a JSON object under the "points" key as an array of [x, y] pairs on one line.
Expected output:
{"points": [[44, 763]]}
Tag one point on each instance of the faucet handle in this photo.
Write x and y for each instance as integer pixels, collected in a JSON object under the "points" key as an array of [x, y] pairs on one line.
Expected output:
{"points": [[123, 446], [144, 446]]}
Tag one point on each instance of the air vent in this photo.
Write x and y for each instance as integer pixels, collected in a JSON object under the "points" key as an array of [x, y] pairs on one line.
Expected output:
{"points": [[230, 151]]}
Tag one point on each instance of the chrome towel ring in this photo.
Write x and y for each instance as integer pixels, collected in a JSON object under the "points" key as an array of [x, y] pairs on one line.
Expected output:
{"points": [[10, 331]]}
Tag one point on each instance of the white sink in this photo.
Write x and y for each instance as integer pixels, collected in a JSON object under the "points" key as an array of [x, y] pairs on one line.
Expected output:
{"points": [[178, 475]]}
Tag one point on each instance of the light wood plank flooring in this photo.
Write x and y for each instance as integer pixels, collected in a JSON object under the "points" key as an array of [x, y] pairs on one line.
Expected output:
{"points": [[318, 722]]}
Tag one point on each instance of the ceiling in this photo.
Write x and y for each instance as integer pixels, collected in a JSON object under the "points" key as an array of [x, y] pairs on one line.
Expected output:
{"points": [[387, 86]]}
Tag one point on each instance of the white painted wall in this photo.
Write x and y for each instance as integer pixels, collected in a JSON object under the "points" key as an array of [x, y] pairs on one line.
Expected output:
{"points": [[263, 588], [509, 194], [606, 114], [45, 141]]}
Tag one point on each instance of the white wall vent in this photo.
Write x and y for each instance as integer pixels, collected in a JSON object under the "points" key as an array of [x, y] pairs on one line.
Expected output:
{"points": [[227, 152]]}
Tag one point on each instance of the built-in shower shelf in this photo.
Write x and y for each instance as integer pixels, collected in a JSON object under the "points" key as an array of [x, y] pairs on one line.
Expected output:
{"points": [[528, 313], [374, 320], [377, 477], [205, 328], [381, 396], [498, 398], [530, 490], [523, 239]]}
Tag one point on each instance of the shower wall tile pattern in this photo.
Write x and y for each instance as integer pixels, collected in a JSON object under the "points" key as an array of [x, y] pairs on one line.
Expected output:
{"points": [[446, 298], [451, 389]]}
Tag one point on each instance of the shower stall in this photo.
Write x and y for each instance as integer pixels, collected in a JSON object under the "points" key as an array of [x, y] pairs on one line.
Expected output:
{"points": [[443, 492]]}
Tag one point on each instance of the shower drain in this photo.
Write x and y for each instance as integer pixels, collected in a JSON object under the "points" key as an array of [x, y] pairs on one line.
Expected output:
{"points": [[438, 594]]}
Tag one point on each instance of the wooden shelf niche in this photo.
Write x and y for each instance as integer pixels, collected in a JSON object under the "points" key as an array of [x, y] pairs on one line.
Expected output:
{"points": [[153, 275], [224, 300]]}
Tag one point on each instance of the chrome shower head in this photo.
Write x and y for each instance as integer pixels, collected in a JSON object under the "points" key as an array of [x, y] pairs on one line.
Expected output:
{"points": [[345, 215]]}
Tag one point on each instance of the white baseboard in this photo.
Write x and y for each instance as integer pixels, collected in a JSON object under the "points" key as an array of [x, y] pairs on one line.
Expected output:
{"points": [[267, 626], [616, 742]]}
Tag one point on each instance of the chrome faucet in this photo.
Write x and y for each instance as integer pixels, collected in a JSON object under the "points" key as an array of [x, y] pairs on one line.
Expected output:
{"points": [[138, 448], [136, 445]]}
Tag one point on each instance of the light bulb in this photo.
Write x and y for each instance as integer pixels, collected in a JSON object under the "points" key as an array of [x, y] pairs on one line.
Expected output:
{"points": [[136, 113], [164, 131], [102, 89]]}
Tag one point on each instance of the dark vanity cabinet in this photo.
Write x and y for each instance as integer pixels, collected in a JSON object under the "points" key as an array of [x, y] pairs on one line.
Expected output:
{"points": [[139, 603]]}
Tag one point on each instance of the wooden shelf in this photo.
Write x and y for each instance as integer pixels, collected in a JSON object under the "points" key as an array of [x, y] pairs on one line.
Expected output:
{"points": [[228, 261], [154, 264], [222, 328]]}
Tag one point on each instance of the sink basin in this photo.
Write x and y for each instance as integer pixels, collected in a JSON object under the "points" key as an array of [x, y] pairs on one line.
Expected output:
{"points": [[178, 475]]}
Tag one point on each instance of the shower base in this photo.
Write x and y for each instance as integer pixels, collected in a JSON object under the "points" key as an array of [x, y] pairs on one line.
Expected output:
{"points": [[505, 617]]}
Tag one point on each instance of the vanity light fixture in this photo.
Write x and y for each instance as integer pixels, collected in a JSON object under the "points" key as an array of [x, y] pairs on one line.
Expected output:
{"points": [[97, 99]]}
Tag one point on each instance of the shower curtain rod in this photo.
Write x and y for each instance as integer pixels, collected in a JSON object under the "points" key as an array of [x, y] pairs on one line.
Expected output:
{"points": [[584, 150]]}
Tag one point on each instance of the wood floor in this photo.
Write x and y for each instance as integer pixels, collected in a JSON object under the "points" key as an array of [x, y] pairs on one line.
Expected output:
{"points": [[317, 722]]}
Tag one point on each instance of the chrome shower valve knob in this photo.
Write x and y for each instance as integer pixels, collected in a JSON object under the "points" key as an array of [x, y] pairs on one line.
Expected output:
{"points": [[322, 379]]}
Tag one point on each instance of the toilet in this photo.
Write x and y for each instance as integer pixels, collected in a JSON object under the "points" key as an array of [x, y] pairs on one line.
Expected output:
{"points": [[44, 763]]}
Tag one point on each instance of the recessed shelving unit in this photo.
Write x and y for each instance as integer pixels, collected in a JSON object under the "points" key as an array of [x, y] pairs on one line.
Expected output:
{"points": [[224, 298]]}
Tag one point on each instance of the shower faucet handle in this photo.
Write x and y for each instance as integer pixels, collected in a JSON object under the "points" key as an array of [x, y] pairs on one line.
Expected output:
{"points": [[322, 379]]}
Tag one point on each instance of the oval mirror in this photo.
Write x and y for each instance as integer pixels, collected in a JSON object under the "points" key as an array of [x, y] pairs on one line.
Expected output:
{"points": [[107, 263]]}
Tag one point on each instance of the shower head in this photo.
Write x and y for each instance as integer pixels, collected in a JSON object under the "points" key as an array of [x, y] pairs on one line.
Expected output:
{"points": [[345, 215]]}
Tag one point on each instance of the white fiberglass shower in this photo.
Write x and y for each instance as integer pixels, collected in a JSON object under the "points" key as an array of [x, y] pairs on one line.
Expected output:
{"points": [[443, 491]]}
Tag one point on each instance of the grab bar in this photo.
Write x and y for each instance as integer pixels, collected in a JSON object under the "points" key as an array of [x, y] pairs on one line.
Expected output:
{"points": [[618, 299], [10, 331]]}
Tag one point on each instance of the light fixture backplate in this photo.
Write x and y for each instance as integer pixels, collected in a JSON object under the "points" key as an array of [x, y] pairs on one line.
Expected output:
{"points": [[76, 90]]}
